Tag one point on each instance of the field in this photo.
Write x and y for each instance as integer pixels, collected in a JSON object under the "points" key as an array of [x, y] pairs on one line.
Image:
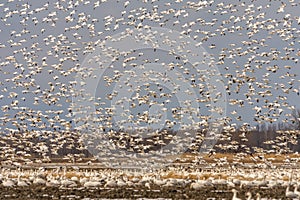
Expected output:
{"points": [[212, 178], [209, 192]]}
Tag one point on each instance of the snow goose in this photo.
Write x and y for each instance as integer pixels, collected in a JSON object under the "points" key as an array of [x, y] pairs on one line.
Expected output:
{"points": [[20, 182], [234, 197], [92, 183], [290, 194], [39, 181], [296, 190], [8, 182]]}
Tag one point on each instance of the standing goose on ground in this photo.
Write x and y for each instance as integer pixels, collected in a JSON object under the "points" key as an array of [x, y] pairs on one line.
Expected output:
{"points": [[234, 197], [296, 190], [20, 182], [290, 194], [8, 182]]}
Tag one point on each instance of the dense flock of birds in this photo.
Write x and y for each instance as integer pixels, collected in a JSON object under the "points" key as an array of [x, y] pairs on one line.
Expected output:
{"points": [[229, 181], [255, 46]]}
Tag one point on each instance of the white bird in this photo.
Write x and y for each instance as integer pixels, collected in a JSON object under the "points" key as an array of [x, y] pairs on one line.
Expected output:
{"points": [[8, 182], [92, 184], [296, 190], [234, 197], [290, 194], [20, 182], [39, 181]]}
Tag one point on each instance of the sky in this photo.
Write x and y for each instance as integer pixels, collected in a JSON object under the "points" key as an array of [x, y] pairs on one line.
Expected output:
{"points": [[42, 52]]}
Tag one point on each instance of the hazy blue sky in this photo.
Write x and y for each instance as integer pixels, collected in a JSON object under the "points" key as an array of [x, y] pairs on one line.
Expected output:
{"points": [[45, 37]]}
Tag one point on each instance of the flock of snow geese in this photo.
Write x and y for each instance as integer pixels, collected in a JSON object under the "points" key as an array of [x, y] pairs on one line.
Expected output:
{"points": [[254, 45], [196, 180]]}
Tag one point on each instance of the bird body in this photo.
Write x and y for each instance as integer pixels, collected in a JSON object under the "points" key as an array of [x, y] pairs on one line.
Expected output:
{"points": [[290, 194], [92, 184], [8, 183]]}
